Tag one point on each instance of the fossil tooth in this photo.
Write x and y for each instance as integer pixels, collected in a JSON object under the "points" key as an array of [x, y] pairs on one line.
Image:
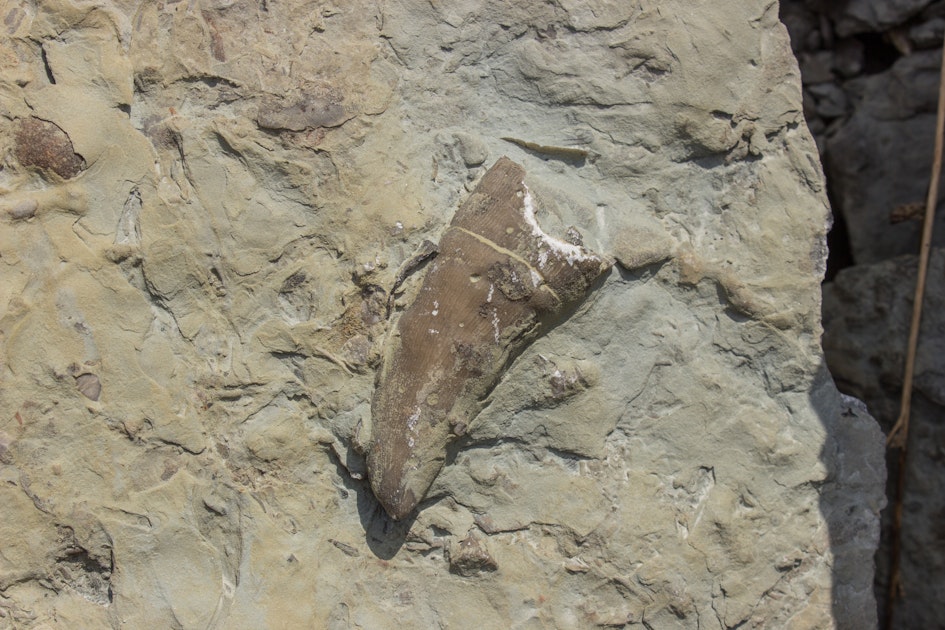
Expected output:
{"points": [[89, 385], [497, 282]]}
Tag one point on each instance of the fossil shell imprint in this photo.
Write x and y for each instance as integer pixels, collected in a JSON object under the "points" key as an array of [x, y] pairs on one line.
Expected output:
{"points": [[497, 281]]}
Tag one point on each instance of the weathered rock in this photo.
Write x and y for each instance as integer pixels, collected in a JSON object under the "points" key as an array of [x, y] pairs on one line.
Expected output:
{"points": [[866, 16], [672, 454], [882, 156], [829, 100], [320, 107], [877, 147], [928, 33], [867, 313]]}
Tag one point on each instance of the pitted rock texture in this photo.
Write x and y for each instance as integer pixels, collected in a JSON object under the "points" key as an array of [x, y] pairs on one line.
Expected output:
{"points": [[191, 325]]}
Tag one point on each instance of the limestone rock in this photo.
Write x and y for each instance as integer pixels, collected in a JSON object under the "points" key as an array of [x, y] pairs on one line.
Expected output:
{"points": [[189, 326]]}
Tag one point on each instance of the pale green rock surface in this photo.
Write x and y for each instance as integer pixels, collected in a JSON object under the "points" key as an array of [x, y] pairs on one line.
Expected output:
{"points": [[674, 455]]}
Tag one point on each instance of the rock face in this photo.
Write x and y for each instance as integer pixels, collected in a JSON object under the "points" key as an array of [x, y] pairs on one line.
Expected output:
{"points": [[193, 312], [867, 311], [888, 138], [869, 16], [870, 72]]}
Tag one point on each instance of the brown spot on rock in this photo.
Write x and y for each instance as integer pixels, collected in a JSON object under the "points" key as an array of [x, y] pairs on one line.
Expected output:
{"points": [[216, 39], [44, 145]]}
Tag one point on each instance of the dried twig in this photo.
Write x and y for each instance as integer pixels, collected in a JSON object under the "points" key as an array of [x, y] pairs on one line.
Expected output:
{"points": [[899, 434]]}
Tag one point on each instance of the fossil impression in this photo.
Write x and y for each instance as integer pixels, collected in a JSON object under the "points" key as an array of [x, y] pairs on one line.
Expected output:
{"points": [[497, 281]]}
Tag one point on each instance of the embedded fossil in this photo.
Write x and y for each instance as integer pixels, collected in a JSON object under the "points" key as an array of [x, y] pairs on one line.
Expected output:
{"points": [[565, 154], [497, 282]]}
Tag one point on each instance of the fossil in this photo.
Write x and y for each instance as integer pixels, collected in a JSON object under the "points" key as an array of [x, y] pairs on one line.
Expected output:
{"points": [[44, 145], [571, 155], [497, 283], [89, 385]]}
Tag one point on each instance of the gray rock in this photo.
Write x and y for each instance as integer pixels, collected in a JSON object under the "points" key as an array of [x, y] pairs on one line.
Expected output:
{"points": [[888, 138], [867, 311], [855, 531], [802, 24], [829, 100], [849, 56], [871, 16], [673, 454], [927, 34], [816, 67]]}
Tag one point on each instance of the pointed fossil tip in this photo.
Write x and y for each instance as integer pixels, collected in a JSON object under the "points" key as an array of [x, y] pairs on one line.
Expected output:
{"points": [[399, 504]]}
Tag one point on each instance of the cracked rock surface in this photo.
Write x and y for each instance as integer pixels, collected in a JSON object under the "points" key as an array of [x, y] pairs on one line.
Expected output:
{"points": [[195, 274]]}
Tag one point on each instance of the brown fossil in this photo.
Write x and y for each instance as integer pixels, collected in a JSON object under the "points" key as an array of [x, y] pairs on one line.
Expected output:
{"points": [[496, 283], [44, 145]]}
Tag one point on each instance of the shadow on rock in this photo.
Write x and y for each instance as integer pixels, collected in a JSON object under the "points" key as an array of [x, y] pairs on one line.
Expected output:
{"points": [[383, 535], [850, 499]]}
